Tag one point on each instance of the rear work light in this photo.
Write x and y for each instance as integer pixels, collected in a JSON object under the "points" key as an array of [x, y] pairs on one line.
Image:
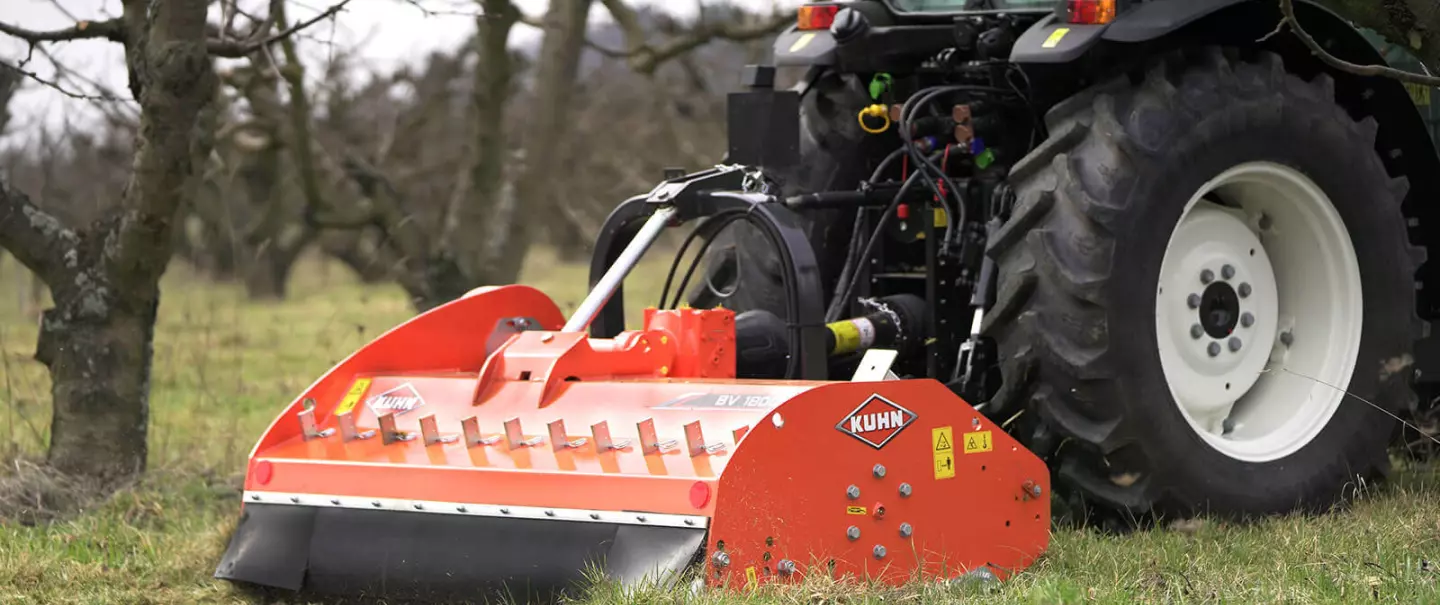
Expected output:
{"points": [[819, 16], [1090, 12]]}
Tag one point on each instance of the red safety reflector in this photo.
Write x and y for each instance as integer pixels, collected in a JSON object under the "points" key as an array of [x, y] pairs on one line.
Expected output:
{"points": [[1090, 12], [699, 494], [902, 211], [263, 471], [819, 16]]}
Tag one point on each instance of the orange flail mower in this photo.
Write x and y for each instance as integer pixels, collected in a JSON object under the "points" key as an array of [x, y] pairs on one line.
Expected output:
{"points": [[490, 444]]}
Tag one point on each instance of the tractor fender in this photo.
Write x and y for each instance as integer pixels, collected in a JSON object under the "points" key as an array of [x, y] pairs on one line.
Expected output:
{"points": [[1054, 41]]}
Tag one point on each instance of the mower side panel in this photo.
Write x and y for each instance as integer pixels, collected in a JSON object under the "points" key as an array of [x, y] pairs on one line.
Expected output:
{"points": [[976, 496]]}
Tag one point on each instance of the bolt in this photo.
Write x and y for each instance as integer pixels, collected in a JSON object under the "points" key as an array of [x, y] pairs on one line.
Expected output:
{"points": [[335, 501], [1193, 301], [1265, 222], [1286, 338], [419, 506], [1227, 272], [853, 492], [853, 533], [1247, 320], [905, 490], [975, 422], [1234, 344], [1245, 290], [295, 499], [906, 530], [1196, 331], [1213, 349], [1207, 276], [879, 471], [1036, 490], [785, 567], [721, 559], [879, 551]]}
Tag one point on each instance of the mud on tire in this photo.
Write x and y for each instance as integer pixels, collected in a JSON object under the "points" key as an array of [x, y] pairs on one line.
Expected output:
{"points": [[1080, 257]]}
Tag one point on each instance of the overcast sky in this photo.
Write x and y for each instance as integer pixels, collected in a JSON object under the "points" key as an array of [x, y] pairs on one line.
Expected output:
{"points": [[385, 32]]}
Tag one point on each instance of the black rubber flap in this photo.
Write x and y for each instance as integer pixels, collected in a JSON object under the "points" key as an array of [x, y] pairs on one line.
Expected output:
{"points": [[428, 556]]}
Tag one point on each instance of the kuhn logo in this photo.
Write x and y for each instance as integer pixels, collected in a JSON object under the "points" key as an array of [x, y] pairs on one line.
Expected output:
{"points": [[876, 421], [398, 400]]}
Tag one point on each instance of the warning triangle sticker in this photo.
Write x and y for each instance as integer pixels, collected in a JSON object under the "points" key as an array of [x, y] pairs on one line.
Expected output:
{"points": [[942, 444]]}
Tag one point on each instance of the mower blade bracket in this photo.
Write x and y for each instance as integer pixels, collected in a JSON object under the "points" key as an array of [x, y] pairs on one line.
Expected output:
{"points": [[388, 433], [432, 434], [515, 436], [695, 441], [348, 432], [559, 440], [309, 428], [603, 440], [471, 427], [650, 441]]}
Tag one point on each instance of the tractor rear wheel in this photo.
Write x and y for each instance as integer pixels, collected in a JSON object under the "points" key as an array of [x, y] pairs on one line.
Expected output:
{"points": [[1203, 260]]}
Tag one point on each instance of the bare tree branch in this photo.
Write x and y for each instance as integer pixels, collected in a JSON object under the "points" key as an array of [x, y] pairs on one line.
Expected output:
{"points": [[37, 239], [243, 48], [110, 29], [56, 86], [645, 57], [1287, 9]]}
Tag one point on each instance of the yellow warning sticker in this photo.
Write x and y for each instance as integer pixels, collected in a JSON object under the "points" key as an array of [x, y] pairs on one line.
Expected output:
{"points": [[751, 578], [941, 439], [945, 465], [855, 510], [802, 42], [357, 391], [1055, 37], [978, 442]]}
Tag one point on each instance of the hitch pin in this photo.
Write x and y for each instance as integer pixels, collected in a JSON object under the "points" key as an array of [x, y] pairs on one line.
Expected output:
{"points": [[388, 434], [308, 426], [432, 434], [558, 440], [348, 432], [695, 440], [471, 427], [650, 442], [516, 438], [603, 442]]}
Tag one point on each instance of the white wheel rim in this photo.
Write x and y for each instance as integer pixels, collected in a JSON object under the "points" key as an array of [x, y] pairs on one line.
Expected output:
{"points": [[1294, 309]]}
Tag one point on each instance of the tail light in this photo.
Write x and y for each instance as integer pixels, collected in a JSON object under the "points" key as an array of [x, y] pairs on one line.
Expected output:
{"points": [[1090, 12], [818, 16]]}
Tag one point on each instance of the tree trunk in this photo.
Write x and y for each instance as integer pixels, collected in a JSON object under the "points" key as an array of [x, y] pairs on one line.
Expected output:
{"points": [[559, 64], [104, 279]]}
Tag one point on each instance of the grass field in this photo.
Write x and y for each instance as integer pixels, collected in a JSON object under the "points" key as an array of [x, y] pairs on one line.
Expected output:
{"points": [[224, 366]]}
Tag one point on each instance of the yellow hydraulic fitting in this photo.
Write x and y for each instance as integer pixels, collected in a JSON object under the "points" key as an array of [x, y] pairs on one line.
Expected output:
{"points": [[875, 111]]}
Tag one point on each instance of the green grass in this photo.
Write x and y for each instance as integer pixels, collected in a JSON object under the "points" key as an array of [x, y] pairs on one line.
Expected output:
{"points": [[224, 366]]}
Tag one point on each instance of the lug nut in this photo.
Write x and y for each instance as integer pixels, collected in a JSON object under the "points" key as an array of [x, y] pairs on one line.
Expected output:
{"points": [[905, 490], [853, 492], [1213, 349], [1193, 301], [906, 530], [1245, 290], [1227, 272], [879, 471], [1234, 344], [879, 551], [1247, 320], [1286, 338], [1207, 276], [1196, 331], [721, 559], [785, 567], [853, 533]]}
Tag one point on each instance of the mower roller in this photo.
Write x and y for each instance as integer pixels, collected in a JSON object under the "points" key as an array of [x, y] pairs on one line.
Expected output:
{"points": [[490, 446]]}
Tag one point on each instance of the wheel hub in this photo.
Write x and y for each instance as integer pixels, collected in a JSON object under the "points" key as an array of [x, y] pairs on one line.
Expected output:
{"points": [[1258, 256]]}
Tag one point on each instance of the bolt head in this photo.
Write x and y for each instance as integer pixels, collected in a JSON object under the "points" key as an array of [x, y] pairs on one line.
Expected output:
{"points": [[879, 551], [879, 471], [906, 530], [852, 492], [905, 490], [975, 422], [1227, 272], [721, 559], [853, 533], [1036, 490], [1245, 290], [1196, 331], [1207, 276], [1247, 320], [1287, 338], [1235, 345], [1213, 349], [1193, 301], [785, 567]]}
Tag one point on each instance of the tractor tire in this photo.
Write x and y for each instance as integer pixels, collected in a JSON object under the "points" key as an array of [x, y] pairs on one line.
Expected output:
{"points": [[743, 270], [1168, 352]]}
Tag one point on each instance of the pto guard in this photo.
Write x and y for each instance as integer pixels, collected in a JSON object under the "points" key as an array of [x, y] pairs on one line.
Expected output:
{"points": [[509, 455]]}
